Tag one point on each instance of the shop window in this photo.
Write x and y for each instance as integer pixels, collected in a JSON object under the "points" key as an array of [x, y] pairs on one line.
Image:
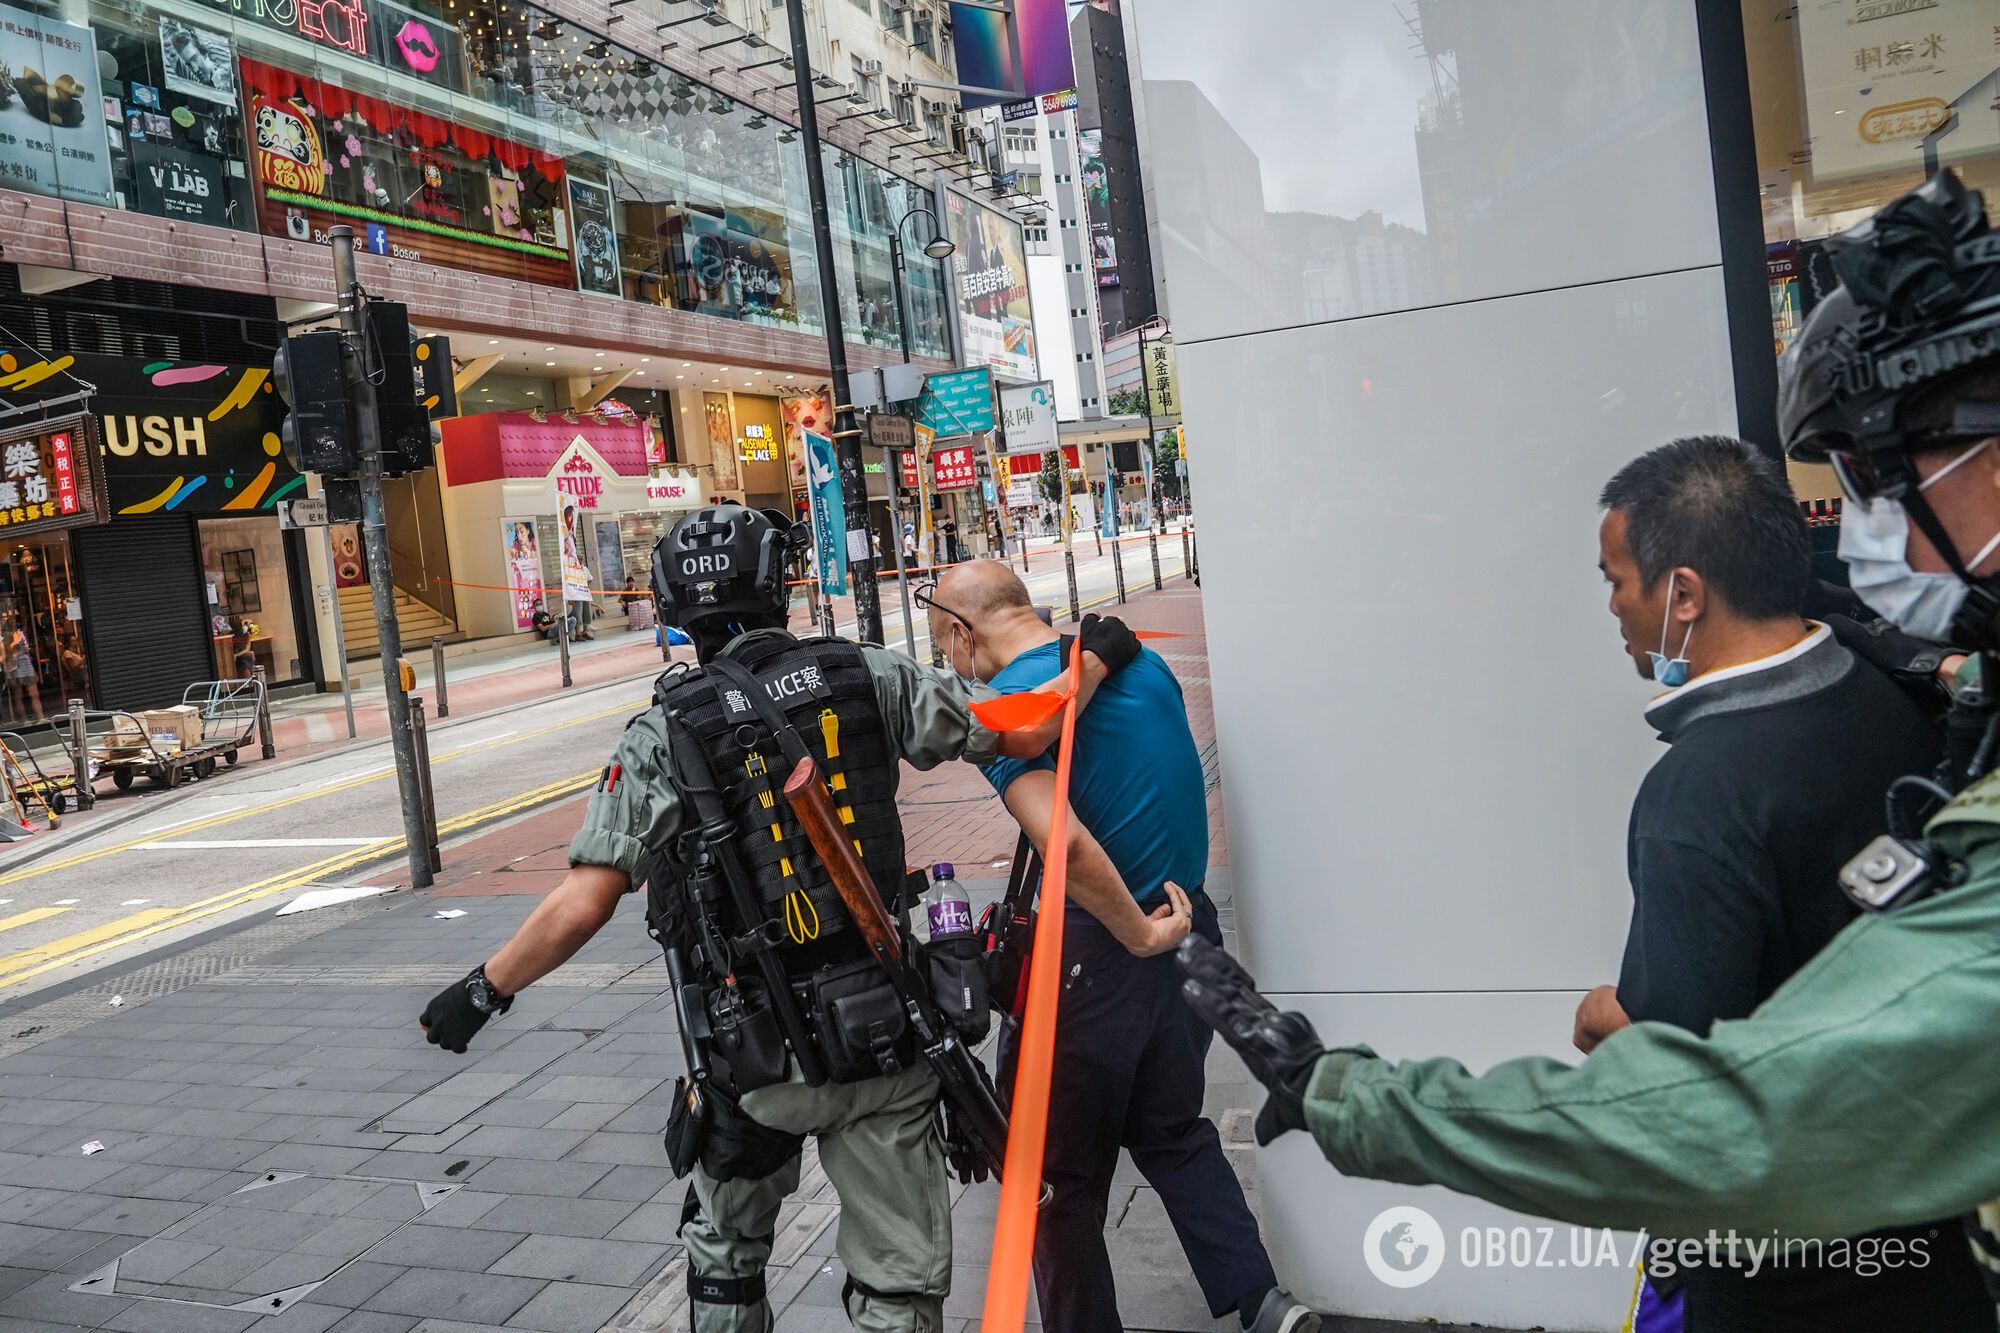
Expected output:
{"points": [[1849, 114], [249, 599], [42, 663]]}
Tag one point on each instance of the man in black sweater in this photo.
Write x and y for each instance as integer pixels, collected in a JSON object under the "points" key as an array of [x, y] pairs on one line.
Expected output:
{"points": [[1783, 743]]}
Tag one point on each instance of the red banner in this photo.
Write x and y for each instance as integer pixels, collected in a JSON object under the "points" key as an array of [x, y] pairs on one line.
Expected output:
{"points": [[954, 468]]}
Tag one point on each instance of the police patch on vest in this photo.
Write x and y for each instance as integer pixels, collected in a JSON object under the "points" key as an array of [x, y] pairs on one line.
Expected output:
{"points": [[785, 688]]}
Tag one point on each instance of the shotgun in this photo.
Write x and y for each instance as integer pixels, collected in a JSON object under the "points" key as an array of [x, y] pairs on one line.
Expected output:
{"points": [[966, 1088]]}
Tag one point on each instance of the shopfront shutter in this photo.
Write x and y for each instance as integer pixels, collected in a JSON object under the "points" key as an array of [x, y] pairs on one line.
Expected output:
{"points": [[144, 614]]}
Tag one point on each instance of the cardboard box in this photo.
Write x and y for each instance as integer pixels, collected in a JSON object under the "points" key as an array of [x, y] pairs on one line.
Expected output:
{"points": [[173, 729]]}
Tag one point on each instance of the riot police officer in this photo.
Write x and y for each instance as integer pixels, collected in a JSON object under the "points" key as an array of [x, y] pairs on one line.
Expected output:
{"points": [[1866, 1091], [790, 1027]]}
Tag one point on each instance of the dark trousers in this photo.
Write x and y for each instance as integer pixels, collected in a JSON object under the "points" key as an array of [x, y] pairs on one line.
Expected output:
{"points": [[1130, 1058]]}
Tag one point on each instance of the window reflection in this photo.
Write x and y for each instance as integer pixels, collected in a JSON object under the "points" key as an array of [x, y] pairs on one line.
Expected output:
{"points": [[480, 134]]}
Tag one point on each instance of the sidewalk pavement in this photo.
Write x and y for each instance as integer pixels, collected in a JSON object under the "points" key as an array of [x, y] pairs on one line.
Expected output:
{"points": [[248, 1132]]}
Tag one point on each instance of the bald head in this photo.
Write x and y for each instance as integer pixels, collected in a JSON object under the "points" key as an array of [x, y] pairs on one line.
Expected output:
{"points": [[999, 619], [981, 590]]}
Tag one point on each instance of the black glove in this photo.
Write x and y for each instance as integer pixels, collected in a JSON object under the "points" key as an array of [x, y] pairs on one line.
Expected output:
{"points": [[1107, 636], [961, 1155], [1281, 1049], [452, 1019]]}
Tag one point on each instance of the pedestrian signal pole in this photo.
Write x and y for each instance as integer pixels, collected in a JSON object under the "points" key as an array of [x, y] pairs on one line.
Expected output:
{"points": [[360, 360]]}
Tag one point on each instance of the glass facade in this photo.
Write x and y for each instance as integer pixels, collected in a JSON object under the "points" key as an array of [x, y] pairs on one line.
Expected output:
{"points": [[1852, 109], [474, 134]]}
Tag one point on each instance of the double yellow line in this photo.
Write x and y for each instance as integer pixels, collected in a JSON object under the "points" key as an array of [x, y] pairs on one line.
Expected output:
{"points": [[60, 953], [312, 794]]}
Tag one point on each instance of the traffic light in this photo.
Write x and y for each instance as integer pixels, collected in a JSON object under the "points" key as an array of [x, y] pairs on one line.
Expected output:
{"points": [[409, 441], [318, 432], [435, 386]]}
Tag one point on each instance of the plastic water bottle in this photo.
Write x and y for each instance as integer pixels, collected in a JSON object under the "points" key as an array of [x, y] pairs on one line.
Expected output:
{"points": [[947, 909]]}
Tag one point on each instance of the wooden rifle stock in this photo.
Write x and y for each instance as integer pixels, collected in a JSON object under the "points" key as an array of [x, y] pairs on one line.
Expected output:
{"points": [[816, 814]]}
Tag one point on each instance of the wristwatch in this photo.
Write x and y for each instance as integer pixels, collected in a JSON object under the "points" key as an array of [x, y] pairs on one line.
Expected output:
{"points": [[484, 997]]}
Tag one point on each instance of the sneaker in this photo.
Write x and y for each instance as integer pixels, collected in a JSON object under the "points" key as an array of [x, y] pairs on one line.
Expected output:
{"points": [[1281, 1312]]}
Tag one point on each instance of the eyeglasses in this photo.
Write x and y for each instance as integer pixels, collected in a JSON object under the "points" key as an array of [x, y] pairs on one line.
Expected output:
{"points": [[925, 595]]}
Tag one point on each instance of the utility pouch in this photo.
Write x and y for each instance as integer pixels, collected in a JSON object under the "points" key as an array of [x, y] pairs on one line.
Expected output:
{"points": [[739, 1148], [863, 1031], [957, 975], [687, 1126], [746, 1046]]}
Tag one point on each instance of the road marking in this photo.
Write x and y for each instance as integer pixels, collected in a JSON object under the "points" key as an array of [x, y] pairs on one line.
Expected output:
{"points": [[307, 794], [237, 844], [135, 902], [191, 819], [104, 935], [24, 966], [68, 902], [29, 917]]}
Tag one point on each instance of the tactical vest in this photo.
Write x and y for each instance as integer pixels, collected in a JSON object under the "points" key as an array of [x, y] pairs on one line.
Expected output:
{"points": [[824, 689]]}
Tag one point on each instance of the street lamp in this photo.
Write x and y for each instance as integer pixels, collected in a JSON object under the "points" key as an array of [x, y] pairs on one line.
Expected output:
{"points": [[940, 248]]}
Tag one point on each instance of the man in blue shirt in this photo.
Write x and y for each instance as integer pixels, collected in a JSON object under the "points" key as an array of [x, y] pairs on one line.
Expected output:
{"points": [[1129, 1056]]}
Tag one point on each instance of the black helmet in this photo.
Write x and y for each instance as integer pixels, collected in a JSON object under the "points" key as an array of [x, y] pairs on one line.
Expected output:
{"points": [[1918, 301], [724, 562]]}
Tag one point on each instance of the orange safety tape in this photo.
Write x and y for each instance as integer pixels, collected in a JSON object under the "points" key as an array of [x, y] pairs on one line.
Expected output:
{"points": [[1021, 1187]]}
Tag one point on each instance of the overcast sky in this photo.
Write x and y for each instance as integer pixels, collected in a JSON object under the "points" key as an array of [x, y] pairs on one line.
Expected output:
{"points": [[1325, 92]]}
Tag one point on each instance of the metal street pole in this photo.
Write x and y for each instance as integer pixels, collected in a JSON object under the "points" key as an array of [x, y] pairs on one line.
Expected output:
{"points": [[375, 538], [1146, 383], [891, 461], [846, 437]]}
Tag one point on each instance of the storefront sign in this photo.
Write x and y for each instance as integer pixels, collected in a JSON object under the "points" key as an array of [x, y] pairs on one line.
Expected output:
{"points": [[1163, 381], [1019, 110], [958, 403], [996, 317], [578, 477], [1021, 51], [1895, 84], [757, 446], [954, 467], [49, 477], [1028, 417], [1030, 465], [828, 515], [52, 129], [673, 490], [417, 186], [382, 32], [1021, 493], [177, 437], [173, 183], [596, 243], [1056, 103]]}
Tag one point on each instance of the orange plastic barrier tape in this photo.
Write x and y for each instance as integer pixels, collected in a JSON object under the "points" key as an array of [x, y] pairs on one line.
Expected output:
{"points": [[1020, 712], [1014, 1232]]}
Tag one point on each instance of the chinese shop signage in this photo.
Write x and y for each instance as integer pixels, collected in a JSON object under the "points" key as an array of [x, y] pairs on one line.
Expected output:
{"points": [[49, 476], [954, 468], [52, 135], [381, 32]]}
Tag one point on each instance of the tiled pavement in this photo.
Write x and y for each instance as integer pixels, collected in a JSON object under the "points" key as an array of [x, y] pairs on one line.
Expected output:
{"points": [[282, 1152]]}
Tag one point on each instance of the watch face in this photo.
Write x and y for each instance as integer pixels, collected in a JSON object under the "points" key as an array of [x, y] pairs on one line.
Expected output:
{"points": [[481, 992]]}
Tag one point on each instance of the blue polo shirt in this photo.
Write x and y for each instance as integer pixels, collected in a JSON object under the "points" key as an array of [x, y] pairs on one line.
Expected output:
{"points": [[1136, 781]]}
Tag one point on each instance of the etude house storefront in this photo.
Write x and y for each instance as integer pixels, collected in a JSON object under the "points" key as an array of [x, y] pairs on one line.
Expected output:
{"points": [[190, 577], [505, 474]]}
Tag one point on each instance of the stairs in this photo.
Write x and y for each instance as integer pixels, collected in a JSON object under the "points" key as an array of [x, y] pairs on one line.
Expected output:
{"points": [[418, 622]]}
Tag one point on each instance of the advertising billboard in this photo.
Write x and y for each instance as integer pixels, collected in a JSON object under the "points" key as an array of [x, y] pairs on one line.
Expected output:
{"points": [[52, 135], [996, 318], [1033, 60], [1097, 205]]}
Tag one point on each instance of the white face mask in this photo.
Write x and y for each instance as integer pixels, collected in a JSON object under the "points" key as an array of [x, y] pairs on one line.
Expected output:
{"points": [[1874, 544]]}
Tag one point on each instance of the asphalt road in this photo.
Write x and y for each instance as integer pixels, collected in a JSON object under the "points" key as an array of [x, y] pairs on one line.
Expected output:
{"points": [[249, 840]]}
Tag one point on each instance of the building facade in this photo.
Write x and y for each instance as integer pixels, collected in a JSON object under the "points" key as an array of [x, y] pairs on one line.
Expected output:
{"points": [[1434, 276], [601, 204]]}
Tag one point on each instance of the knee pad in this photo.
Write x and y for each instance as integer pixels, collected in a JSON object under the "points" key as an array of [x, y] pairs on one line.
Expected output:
{"points": [[707, 1290]]}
